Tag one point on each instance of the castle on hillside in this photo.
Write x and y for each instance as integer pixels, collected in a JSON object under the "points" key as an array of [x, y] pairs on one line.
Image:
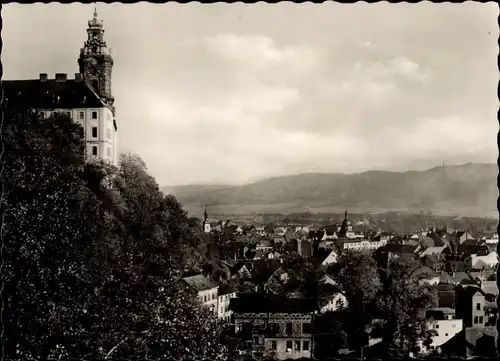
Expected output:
{"points": [[87, 98]]}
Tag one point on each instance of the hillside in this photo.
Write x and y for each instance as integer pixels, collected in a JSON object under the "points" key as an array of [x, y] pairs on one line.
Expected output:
{"points": [[468, 189]]}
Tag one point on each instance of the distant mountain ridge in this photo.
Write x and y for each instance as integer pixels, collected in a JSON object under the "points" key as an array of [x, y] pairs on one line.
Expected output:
{"points": [[469, 189]]}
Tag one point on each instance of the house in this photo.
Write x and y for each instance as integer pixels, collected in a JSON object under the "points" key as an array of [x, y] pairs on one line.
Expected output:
{"points": [[87, 98], [391, 251], [331, 258], [433, 262], [206, 288], [329, 233], [429, 276], [276, 282], [225, 294], [264, 245], [332, 299], [362, 245], [275, 325], [469, 305], [470, 343], [444, 323], [280, 231], [482, 261], [461, 237], [241, 270], [438, 251]]}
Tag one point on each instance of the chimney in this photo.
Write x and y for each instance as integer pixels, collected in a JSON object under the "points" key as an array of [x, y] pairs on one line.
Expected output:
{"points": [[43, 77], [78, 77], [61, 76]]}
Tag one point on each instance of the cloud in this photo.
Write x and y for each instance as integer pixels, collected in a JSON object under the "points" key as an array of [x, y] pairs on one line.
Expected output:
{"points": [[235, 93], [259, 53]]}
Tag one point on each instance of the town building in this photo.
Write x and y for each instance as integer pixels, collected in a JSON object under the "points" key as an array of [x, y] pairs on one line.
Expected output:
{"points": [[224, 296], [275, 326], [87, 98], [444, 323], [469, 305], [207, 290]]}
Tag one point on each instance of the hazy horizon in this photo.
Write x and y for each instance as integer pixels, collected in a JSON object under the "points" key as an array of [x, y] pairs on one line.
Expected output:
{"points": [[298, 174], [235, 93]]}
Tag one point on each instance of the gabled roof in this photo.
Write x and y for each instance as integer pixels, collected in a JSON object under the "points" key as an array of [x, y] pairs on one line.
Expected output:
{"points": [[433, 250], [50, 94], [200, 282], [469, 290]]}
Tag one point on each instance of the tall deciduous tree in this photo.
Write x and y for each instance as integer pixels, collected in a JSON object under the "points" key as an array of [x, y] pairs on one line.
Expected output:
{"points": [[402, 298], [93, 254]]}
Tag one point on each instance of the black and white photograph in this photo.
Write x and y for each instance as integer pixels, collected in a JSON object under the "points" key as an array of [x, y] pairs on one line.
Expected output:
{"points": [[249, 181]]}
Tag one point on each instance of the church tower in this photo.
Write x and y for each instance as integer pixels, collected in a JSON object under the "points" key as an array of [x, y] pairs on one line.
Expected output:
{"points": [[95, 61]]}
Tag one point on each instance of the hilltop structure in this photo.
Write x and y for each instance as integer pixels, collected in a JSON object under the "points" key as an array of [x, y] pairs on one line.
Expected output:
{"points": [[87, 98]]}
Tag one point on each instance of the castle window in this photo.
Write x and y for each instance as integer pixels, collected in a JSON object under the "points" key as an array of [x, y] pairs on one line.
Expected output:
{"points": [[94, 115], [94, 150], [289, 328], [480, 320], [475, 319], [81, 115], [478, 306], [289, 345], [274, 346], [306, 346], [94, 132], [81, 132]]}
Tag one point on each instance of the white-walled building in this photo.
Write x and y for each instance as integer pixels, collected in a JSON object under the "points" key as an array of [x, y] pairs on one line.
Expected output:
{"points": [[207, 291], [225, 294], [487, 261], [444, 323], [86, 99]]}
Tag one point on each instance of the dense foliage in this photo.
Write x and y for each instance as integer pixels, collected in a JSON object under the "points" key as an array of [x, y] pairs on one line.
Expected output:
{"points": [[386, 299], [93, 254]]}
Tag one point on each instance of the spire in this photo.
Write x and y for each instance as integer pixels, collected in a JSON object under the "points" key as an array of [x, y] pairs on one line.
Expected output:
{"points": [[345, 216], [205, 215], [95, 11]]}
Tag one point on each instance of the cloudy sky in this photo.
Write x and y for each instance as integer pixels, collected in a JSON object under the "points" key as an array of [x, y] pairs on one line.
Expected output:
{"points": [[234, 93]]}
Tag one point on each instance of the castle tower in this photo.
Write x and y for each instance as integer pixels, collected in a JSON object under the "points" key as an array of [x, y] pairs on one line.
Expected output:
{"points": [[95, 61]]}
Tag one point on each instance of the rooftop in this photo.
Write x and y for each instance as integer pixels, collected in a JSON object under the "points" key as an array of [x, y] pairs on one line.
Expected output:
{"points": [[50, 94], [265, 303], [200, 282]]}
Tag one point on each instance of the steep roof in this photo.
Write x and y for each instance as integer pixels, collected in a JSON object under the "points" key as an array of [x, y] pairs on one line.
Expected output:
{"points": [[200, 282], [266, 303], [437, 250], [50, 94]]}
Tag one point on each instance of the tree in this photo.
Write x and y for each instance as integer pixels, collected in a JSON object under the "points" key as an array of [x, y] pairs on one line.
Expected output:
{"points": [[401, 300], [330, 336], [356, 274], [93, 254]]}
